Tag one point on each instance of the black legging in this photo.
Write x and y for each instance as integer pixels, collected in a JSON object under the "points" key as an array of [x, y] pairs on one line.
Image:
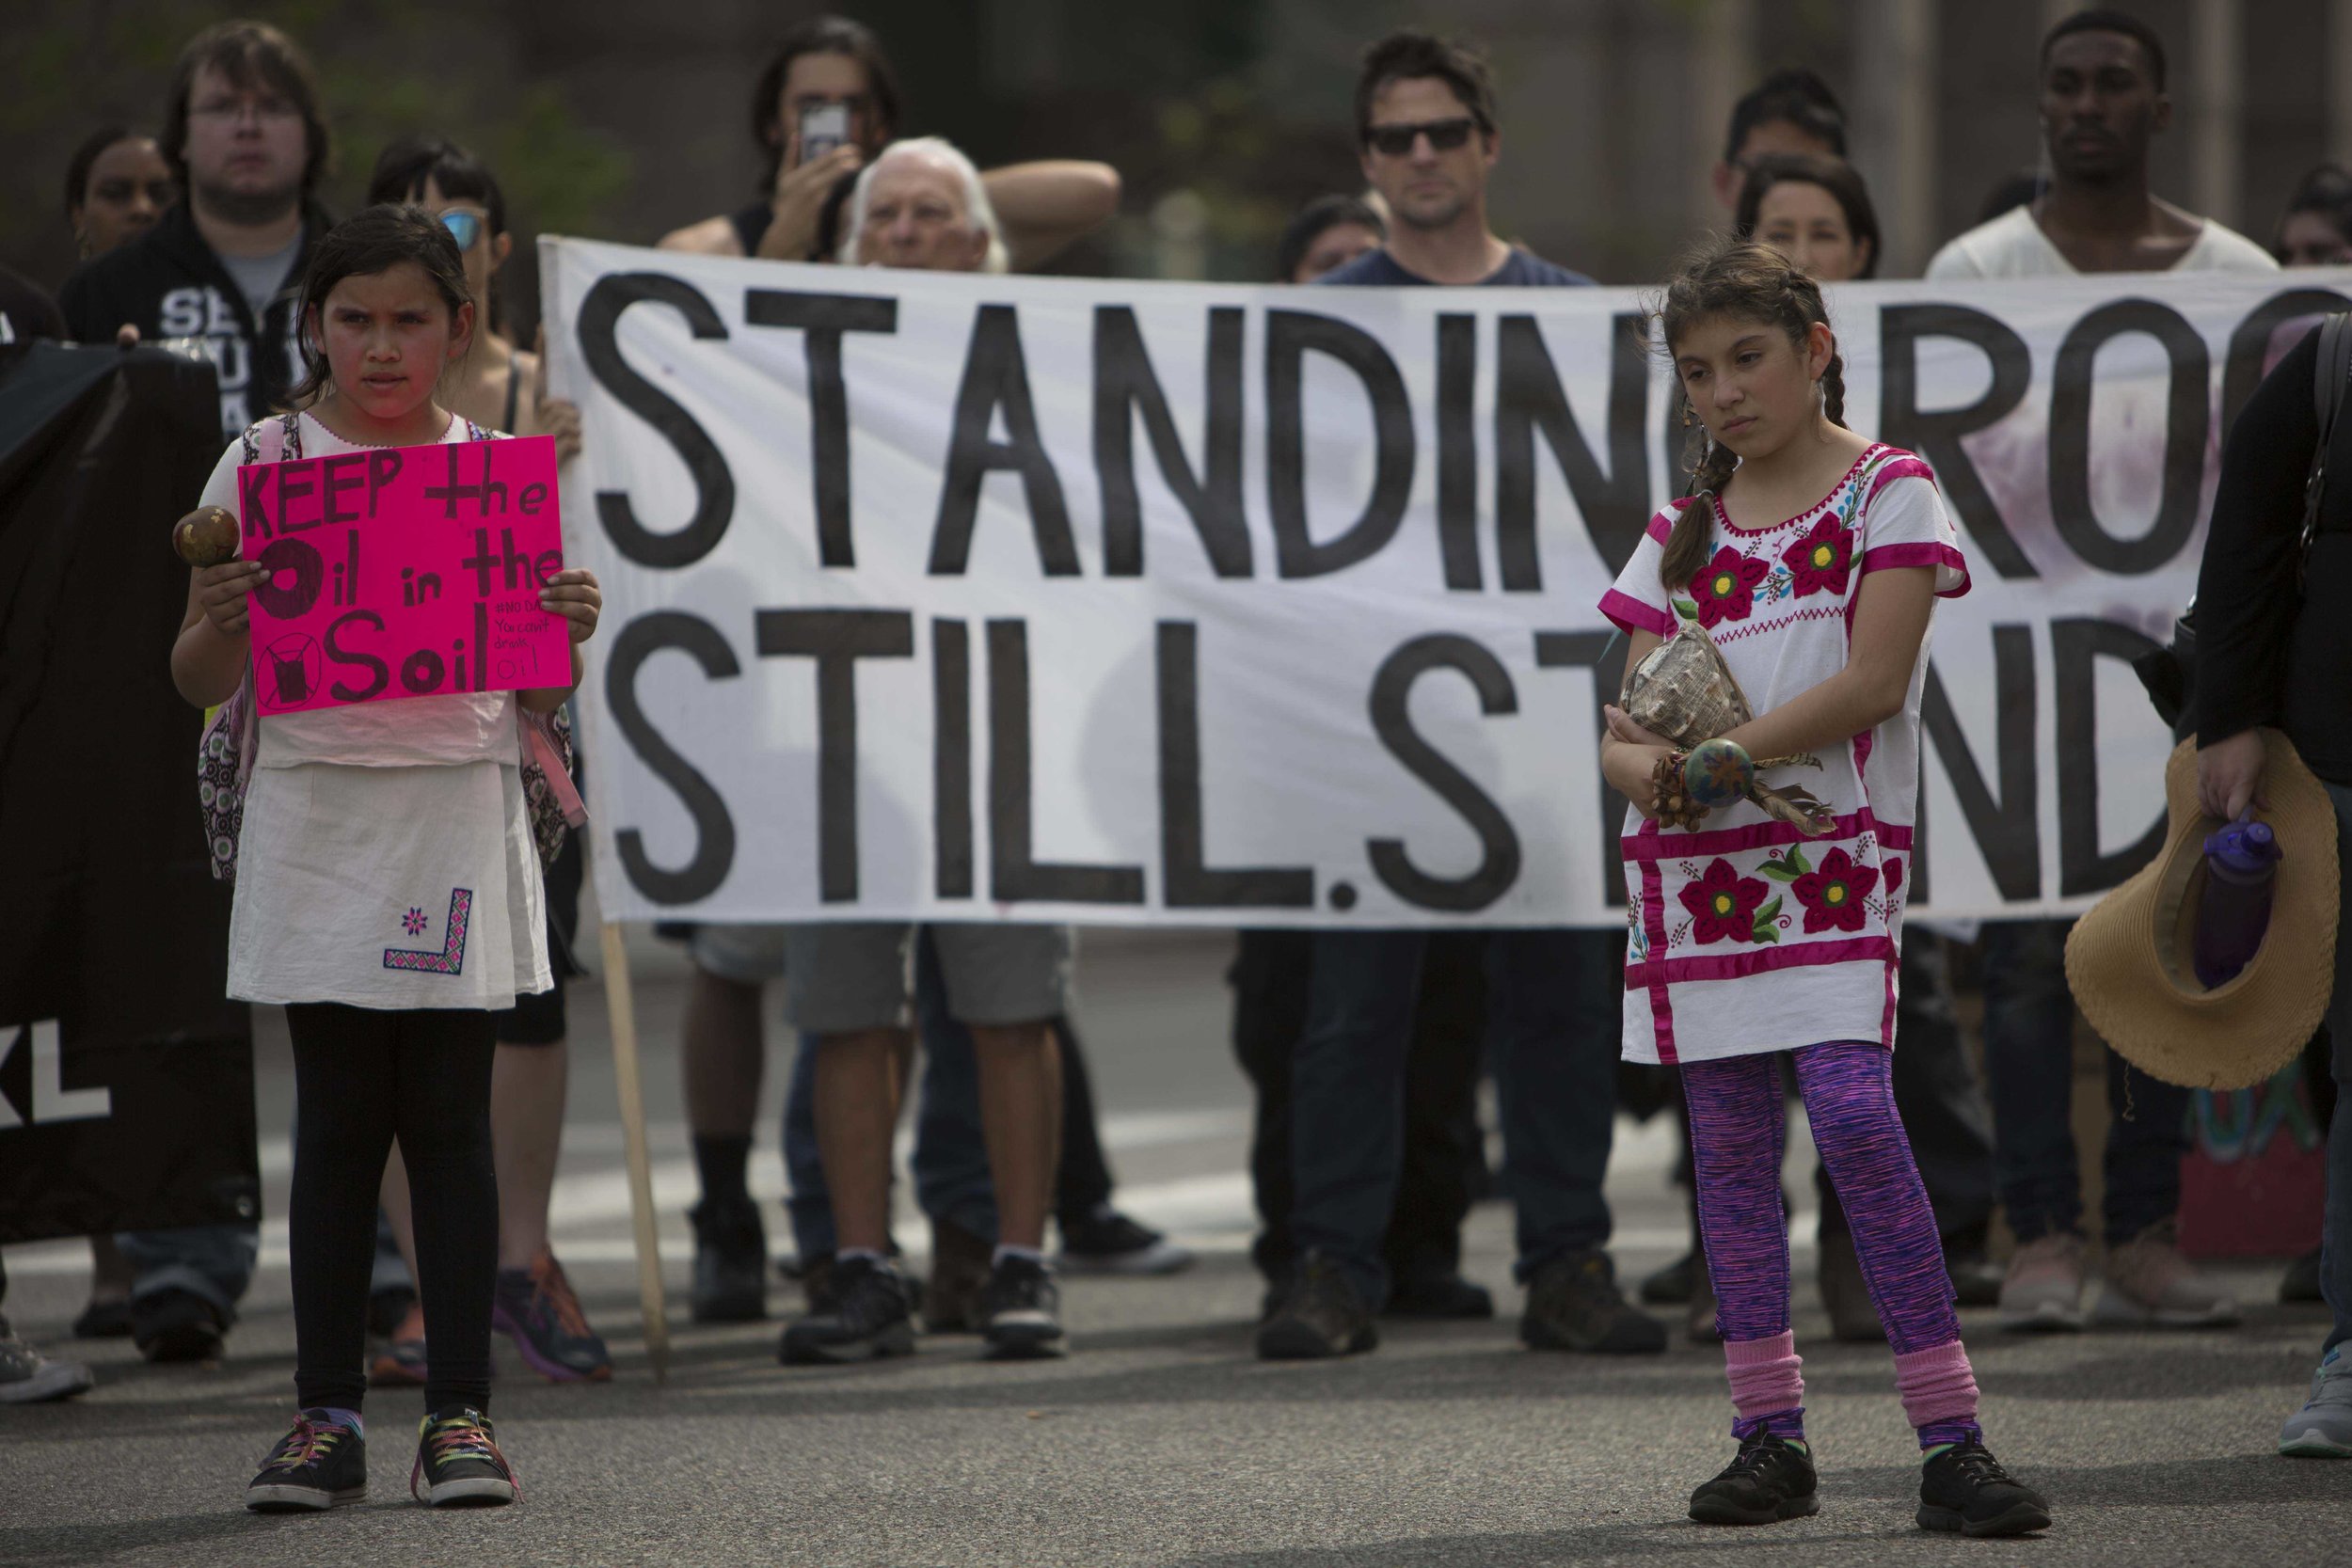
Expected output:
{"points": [[362, 1077]]}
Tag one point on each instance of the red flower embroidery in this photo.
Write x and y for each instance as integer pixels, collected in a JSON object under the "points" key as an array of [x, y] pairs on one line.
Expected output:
{"points": [[1723, 904], [1822, 560], [1832, 897], [1893, 876], [1727, 589]]}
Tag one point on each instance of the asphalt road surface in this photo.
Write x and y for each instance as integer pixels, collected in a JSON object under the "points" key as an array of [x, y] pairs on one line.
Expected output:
{"points": [[1161, 1440]]}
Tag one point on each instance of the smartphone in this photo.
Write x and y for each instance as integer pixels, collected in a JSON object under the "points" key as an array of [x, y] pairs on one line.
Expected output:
{"points": [[823, 127]]}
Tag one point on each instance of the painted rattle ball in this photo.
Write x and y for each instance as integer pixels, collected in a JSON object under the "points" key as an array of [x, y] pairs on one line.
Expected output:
{"points": [[206, 537], [1716, 773]]}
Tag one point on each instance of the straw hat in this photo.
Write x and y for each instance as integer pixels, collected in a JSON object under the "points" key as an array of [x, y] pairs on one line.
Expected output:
{"points": [[2129, 959]]}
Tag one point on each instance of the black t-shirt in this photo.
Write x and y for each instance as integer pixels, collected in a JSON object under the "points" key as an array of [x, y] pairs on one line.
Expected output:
{"points": [[1378, 269], [2262, 657]]}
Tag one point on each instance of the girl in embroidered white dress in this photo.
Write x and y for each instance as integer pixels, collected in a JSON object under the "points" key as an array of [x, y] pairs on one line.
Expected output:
{"points": [[1814, 558], [388, 893]]}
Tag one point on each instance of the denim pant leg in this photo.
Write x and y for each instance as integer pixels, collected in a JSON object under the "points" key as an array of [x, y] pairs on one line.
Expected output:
{"points": [[1269, 979], [2147, 1140], [1347, 1098], [2029, 1059], [1554, 1032], [2335, 1245], [211, 1261], [952, 1181], [807, 1202]]}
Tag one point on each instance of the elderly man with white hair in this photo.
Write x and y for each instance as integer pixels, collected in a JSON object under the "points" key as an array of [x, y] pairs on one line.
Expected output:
{"points": [[921, 204]]}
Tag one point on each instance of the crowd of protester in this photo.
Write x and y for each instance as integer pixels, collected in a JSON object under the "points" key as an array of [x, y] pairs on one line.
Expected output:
{"points": [[1366, 1049]]}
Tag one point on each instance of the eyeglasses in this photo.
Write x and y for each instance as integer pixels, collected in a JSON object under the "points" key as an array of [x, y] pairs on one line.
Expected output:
{"points": [[1396, 141], [464, 227]]}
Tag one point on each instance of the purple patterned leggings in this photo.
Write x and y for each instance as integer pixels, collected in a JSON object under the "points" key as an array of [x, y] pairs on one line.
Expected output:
{"points": [[1736, 1133]]}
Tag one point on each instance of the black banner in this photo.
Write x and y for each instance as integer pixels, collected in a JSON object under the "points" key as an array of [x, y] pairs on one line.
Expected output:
{"points": [[126, 1078]]}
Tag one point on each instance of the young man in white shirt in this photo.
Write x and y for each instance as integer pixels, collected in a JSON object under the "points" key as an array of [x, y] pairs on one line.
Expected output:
{"points": [[2103, 104], [2103, 101]]}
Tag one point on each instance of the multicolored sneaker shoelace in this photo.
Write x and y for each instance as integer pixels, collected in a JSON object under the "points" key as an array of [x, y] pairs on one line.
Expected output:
{"points": [[459, 1461]]}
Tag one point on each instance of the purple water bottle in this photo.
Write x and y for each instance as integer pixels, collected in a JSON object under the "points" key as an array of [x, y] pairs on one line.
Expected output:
{"points": [[2241, 867]]}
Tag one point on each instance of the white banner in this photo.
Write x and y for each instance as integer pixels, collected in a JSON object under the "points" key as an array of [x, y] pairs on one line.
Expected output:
{"points": [[952, 597]]}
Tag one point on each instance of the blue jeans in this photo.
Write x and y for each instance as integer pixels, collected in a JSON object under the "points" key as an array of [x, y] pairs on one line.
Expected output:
{"points": [[213, 1263], [951, 1176], [1554, 1022], [2029, 1059], [2335, 1235]]}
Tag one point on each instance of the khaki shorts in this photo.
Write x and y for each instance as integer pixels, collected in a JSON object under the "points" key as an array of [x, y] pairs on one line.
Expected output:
{"points": [[748, 954], [858, 975]]}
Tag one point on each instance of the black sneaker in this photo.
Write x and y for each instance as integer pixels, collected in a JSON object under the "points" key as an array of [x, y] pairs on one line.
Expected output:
{"points": [[321, 1462], [176, 1325], [1438, 1295], [873, 1316], [1107, 1241], [458, 1463], [1673, 1285], [730, 1261], [1020, 1312], [1323, 1315], [1963, 1488], [1771, 1480], [1573, 1303], [107, 1318]]}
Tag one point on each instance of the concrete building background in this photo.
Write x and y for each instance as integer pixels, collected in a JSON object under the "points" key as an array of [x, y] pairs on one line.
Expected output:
{"points": [[619, 119]]}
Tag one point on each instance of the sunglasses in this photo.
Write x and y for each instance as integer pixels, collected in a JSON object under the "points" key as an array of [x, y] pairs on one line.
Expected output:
{"points": [[1396, 141], [464, 227]]}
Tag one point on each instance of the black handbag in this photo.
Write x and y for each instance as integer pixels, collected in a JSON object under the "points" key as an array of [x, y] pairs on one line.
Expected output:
{"points": [[2169, 673]]}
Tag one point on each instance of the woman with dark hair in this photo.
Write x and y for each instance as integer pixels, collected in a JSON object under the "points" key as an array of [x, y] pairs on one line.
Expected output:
{"points": [[1816, 212], [2315, 230], [116, 186], [835, 63], [1327, 233]]}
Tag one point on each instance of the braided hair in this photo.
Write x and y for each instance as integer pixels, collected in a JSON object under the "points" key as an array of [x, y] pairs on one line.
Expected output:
{"points": [[1736, 278]]}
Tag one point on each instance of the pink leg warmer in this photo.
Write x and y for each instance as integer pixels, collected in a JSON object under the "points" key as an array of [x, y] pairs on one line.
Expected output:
{"points": [[1936, 1385], [1766, 1377]]}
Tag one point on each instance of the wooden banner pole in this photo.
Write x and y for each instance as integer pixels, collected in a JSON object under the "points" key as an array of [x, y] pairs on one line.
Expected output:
{"points": [[621, 1007]]}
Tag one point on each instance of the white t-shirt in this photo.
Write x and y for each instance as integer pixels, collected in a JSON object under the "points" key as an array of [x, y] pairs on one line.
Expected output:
{"points": [[2014, 246], [1745, 935], [397, 733]]}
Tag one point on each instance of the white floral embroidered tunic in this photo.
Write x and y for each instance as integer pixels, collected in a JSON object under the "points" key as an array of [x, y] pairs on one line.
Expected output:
{"points": [[1746, 935]]}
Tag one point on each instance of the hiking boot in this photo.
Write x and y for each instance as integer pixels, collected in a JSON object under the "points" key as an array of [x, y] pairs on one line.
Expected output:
{"points": [[1963, 1488], [2043, 1288], [871, 1317], [1445, 1294], [951, 1303], [1573, 1303], [400, 1363], [730, 1261], [106, 1317], [177, 1325], [458, 1463], [1323, 1315], [321, 1462], [1106, 1241], [1672, 1286], [28, 1377], [2323, 1428], [538, 1310], [2300, 1283], [1852, 1317], [2150, 1285], [1771, 1480], [1019, 1312]]}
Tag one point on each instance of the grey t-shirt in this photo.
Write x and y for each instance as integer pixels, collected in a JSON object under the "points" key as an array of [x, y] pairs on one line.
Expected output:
{"points": [[260, 278]]}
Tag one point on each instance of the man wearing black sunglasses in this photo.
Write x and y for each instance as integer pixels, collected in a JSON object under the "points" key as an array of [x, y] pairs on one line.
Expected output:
{"points": [[1553, 998], [1425, 129]]}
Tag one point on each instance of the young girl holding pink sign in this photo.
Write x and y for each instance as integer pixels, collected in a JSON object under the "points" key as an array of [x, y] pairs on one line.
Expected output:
{"points": [[1814, 557], [387, 893]]}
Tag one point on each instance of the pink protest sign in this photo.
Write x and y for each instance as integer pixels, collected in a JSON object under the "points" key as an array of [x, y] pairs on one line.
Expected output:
{"points": [[404, 572]]}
